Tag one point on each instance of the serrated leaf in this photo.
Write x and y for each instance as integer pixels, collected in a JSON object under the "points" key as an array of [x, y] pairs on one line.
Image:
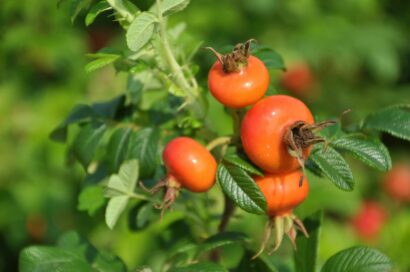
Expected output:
{"points": [[394, 120], [101, 62], [86, 143], [78, 114], [144, 147], [115, 208], [44, 258], [125, 181], [95, 10], [241, 188], [221, 239], [333, 166], [117, 148], [140, 31], [307, 248], [91, 199], [370, 151], [109, 109], [270, 57], [358, 259], [241, 163], [200, 267], [99, 261], [169, 7]]}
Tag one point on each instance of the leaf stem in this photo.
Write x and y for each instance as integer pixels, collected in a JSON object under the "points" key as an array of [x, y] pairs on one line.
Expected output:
{"points": [[218, 141], [121, 9]]}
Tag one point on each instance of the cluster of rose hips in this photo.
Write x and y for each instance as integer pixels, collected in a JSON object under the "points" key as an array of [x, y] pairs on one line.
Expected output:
{"points": [[276, 135]]}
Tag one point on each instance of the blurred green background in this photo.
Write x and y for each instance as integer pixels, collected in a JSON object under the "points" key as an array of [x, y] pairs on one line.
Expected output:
{"points": [[358, 56]]}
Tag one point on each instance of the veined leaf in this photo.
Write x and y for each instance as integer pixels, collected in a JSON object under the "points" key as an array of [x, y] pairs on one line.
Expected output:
{"points": [[117, 148], [370, 151], [241, 188], [115, 208], [95, 10], [241, 163], [125, 181], [101, 62], [169, 7], [358, 259], [140, 31], [270, 57], [394, 120], [144, 147], [333, 166], [307, 248], [86, 143]]}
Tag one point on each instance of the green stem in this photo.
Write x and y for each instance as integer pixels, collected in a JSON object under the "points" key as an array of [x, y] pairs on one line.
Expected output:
{"points": [[121, 9], [176, 69], [218, 141]]}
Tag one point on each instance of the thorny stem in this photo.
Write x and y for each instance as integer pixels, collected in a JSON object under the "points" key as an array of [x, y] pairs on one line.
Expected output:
{"points": [[176, 69], [218, 141], [118, 7]]}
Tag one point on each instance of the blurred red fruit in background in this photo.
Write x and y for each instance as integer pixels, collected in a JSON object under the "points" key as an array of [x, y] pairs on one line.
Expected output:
{"points": [[397, 183], [298, 79], [36, 226], [369, 220]]}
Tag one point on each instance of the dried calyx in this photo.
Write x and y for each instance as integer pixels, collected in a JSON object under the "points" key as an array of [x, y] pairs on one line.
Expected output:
{"points": [[171, 187], [301, 135], [278, 226], [237, 59]]}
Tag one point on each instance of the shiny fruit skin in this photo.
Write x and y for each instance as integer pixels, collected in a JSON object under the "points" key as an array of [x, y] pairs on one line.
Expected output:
{"points": [[369, 220], [397, 183], [282, 191], [263, 128], [242, 88], [298, 79], [190, 163]]}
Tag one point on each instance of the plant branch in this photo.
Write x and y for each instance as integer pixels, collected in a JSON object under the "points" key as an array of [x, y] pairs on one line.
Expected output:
{"points": [[218, 141], [121, 9], [176, 69]]}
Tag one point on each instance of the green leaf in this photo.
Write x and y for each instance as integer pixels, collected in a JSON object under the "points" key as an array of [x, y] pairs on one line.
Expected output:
{"points": [[95, 10], [115, 208], [91, 199], [140, 31], [134, 88], [333, 166], [200, 267], [270, 57], [142, 215], [358, 259], [394, 120], [220, 240], [370, 151], [262, 263], [44, 259], [124, 183], [77, 6], [241, 163], [241, 188], [78, 114], [117, 148], [109, 109], [307, 248], [169, 7], [86, 143], [144, 147], [101, 61], [99, 261]]}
